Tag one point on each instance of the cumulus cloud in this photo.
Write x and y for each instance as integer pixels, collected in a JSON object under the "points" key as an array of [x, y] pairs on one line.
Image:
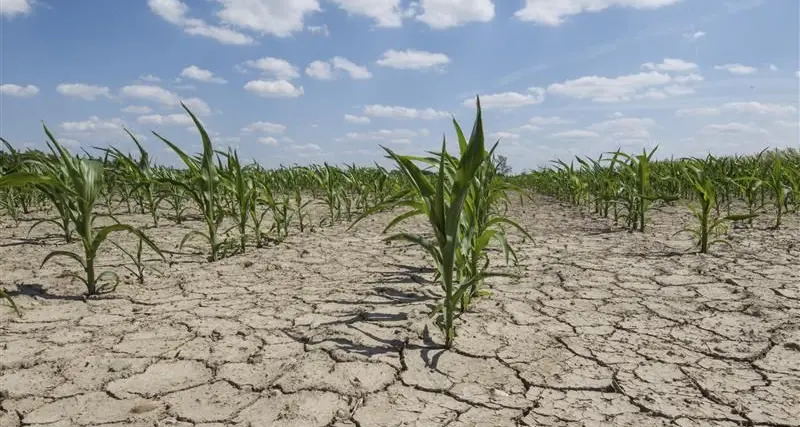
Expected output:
{"points": [[509, 100], [670, 64], [196, 73], [266, 127], [11, 8], [397, 112], [274, 88], [412, 59], [169, 119], [737, 69], [324, 70], [356, 119], [18, 91], [555, 12], [83, 91], [279, 68], [442, 14], [176, 12]]}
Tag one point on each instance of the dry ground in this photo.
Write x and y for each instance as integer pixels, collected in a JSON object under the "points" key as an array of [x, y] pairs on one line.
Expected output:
{"points": [[603, 328]]}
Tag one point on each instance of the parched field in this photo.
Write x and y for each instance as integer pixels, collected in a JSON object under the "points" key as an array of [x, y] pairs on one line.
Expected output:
{"points": [[330, 328]]}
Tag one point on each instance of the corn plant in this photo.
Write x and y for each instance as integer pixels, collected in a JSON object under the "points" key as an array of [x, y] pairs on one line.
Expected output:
{"points": [[7, 297], [79, 181], [201, 184], [777, 182], [135, 256], [299, 209], [139, 175], [442, 198], [242, 193], [174, 197], [708, 226]]}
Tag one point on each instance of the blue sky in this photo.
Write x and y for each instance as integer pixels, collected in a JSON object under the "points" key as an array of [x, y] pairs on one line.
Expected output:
{"points": [[304, 81]]}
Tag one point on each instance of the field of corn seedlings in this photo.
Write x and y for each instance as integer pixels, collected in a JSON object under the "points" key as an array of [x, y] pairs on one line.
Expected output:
{"points": [[612, 291]]}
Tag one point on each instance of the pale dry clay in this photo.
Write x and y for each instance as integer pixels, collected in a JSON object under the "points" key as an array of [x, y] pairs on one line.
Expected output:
{"points": [[330, 328]]}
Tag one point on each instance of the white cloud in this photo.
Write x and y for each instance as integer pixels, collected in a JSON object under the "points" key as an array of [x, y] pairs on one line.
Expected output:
{"points": [[279, 18], [555, 12], [137, 109], [740, 107], [688, 78], [670, 64], [733, 128], [196, 73], [273, 88], [356, 119], [94, 123], [267, 127], [170, 119], [386, 13], [165, 97], [759, 108], [319, 29], [388, 135], [441, 14], [509, 100], [397, 112], [281, 69], [694, 36], [306, 147], [412, 59], [268, 140], [528, 128], [18, 91], [175, 12], [552, 120], [700, 111], [772, 67], [355, 71], [575, 134], [626, 127], [737, 69], [504, 135], [604, 89], [320, 70], [12, 8], [151, 93], [83, 91]]}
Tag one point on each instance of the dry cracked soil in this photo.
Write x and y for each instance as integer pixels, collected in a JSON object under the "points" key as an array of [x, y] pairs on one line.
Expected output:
{"points": [[599, 327]]}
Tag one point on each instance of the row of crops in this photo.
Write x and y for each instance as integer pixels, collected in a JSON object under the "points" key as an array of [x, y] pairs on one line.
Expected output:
{"points": [[463, 197], [242, 207], [719, 190]]}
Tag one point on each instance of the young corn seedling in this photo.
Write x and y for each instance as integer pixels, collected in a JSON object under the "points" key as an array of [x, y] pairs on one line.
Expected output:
{"points": [[10, 301], [135, 256], [242, 194], [777, 183], [441, 199], [201, 184], [709, 226], [139, 174], [299, 208], [638, 188], [80, 183]]}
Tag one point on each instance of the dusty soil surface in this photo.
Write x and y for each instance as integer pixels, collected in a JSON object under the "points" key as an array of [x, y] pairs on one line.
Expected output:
{"points": [[330, 328]]}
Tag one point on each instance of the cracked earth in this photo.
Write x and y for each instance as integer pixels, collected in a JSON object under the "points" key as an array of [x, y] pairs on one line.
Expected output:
{"points": [[600, 327]]}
